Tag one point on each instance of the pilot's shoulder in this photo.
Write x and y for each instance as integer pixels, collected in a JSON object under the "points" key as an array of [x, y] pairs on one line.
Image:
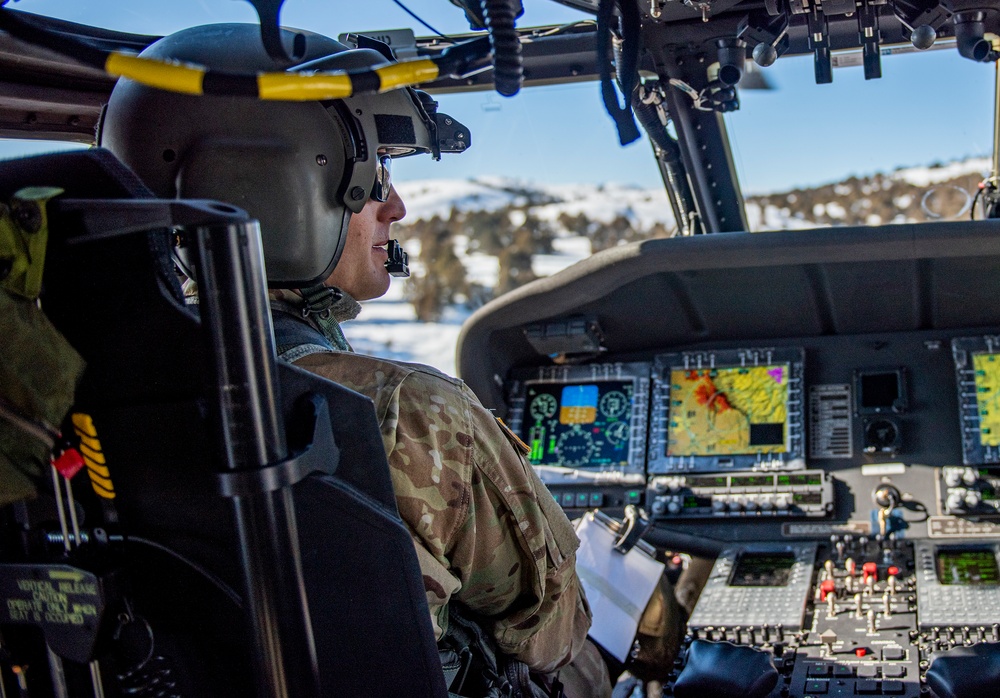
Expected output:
{"points": [[371, 375]]}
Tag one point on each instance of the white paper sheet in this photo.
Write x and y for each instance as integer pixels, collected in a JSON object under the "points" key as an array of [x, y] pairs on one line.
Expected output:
{"points": [[618, 586]]}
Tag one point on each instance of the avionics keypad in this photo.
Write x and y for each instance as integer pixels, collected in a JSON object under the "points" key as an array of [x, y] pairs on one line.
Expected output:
{"points": [[725, 604]]}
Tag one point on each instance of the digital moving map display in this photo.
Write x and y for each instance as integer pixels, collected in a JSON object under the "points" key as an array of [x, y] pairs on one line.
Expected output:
{"points": [[727, 409], [987, 377], [977, 372], [582, 425]]}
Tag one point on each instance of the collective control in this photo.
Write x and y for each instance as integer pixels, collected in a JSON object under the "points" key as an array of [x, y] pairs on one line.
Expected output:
{"points": [[800, 493], [970, 490]]}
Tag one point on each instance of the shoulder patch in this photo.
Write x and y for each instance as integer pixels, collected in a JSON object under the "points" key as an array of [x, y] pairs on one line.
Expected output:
{"points": [[514, 439]]}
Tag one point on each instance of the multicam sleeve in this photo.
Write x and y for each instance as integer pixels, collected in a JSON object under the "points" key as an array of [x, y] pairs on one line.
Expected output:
{"points": [[516, 552], [480, 511]]}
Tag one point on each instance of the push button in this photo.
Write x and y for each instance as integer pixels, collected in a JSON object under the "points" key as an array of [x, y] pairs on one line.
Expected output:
{"points": [[819, 670], [893, 654], [891, 688], [867, 671], [568, 499], [582, 499], [596, 499], [866, 688], [817, 686], [894, 671], [843, 671]]}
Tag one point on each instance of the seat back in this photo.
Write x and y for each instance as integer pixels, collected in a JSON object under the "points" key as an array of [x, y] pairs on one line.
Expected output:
{"points": [[181, 561]]}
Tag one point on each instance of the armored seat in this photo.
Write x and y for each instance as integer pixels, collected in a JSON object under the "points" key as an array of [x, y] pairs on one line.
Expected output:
{"points": [[293, 577]]}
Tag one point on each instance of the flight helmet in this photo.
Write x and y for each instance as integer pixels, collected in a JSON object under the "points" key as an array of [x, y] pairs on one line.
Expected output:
{"points": [[299, 167]]}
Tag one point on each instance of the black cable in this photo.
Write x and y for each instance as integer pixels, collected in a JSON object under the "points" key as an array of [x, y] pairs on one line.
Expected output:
{"points": [[413, 14], [215, 580], [627, 129], [508, 68]]}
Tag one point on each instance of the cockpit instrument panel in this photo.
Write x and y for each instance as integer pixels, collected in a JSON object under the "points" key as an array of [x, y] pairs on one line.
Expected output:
{"points": [[583, 418], [727, 410], [977, 367]]}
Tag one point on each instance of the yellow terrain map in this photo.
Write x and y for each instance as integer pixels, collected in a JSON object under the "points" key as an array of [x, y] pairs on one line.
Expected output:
{"points": [[711, 410], [987, 367]]}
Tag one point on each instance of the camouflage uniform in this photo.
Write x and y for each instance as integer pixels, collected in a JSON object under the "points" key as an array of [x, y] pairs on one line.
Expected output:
{"points": [[486, 530]]}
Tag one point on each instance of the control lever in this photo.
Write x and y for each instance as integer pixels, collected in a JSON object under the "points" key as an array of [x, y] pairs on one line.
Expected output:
{"points": [[886, 498], [633, 527]]}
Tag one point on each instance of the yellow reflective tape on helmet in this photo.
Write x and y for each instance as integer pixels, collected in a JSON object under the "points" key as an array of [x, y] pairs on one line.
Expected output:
{"points": [[296, 87], [104, 482], [405, 74], [93, 455], [84, 424], [98, 469], [172, 76], [90, 447]]}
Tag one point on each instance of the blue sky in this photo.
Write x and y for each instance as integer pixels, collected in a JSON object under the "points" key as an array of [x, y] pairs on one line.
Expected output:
{"points": [[930, 107]]}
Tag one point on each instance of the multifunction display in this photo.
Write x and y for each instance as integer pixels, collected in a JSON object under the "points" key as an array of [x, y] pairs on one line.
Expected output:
{"points": [[968, 566], [763, 569], [586, 419], [977, 367], [578, 425], [727, 409]]}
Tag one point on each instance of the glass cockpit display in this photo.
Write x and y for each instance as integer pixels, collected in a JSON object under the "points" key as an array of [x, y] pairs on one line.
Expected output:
{"points": [[987, 377], [967, 566], [580, 425], [977, 365], [727, 409], [583, 417]]}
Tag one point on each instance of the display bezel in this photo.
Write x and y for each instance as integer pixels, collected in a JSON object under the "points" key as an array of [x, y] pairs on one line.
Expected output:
{"points": [[658, 459]]}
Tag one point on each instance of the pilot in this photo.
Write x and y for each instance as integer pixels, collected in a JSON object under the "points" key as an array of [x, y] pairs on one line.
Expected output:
{"points": [[488, 535]]}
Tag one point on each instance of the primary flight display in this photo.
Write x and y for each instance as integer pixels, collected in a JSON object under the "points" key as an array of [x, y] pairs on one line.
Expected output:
{"points": [[576, 425]]}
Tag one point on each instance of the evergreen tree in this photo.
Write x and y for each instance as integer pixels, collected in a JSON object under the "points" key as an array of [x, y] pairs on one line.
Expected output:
{"points": [[443, 280]]}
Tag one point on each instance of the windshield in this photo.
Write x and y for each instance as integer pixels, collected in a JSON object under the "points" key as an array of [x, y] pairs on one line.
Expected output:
{"points": [[546, 184], [909, 147]]}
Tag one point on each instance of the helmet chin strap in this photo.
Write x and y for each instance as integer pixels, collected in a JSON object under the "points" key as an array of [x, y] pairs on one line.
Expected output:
{"points": [[398, 263], [319, 299]]}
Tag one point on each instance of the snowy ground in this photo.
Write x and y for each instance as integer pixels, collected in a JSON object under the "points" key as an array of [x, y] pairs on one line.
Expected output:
{"points": [[388, 328]]}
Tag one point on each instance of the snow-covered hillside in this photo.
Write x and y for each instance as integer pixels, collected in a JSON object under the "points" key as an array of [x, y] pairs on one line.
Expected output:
{"points": [[388, 326]]}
